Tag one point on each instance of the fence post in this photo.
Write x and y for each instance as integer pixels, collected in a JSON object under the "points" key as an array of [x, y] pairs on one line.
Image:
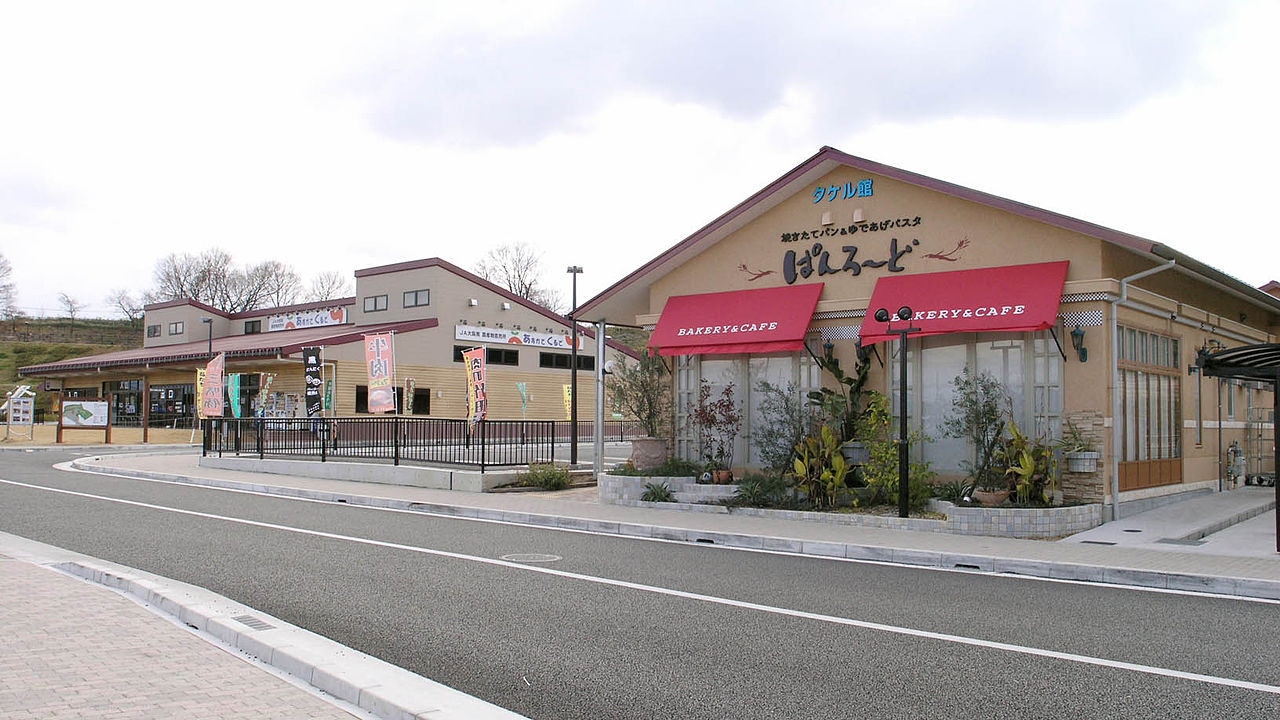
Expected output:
{"points": [[324, 438], [484, 445], [395, 440]]}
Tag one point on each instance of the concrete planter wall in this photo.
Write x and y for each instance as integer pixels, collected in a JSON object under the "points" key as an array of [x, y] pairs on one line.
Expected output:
{"points": [[999, 522]]}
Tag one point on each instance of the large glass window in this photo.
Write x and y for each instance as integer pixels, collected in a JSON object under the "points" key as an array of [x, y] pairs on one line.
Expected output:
{"points": [[1028, 365], [1151, 385], [796, 371]]}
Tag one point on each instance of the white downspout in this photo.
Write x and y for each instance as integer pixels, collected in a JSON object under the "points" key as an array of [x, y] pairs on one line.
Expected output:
{"points": [[1117, 436]]}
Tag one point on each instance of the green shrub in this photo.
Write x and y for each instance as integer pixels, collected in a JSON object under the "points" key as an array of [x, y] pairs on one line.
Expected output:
{"points": [[545, 476], [657, 492], [954, 490], [881, 471], [765, 491]]}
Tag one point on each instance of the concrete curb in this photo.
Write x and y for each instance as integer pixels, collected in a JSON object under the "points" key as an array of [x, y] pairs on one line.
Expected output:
{"points": [[1243, 587], [1236, 519], [373, 685]]}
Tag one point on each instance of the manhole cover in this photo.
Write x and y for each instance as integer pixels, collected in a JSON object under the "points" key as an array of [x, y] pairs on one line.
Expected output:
{"points": [[530, 558]]}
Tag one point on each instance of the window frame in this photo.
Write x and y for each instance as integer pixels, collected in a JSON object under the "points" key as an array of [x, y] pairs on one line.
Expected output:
{"points": [[177, 327], [425, 293], [377, 300]]}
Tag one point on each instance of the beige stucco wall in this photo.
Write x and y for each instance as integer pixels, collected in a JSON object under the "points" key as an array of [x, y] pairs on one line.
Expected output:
{"points": [[193, 329], [955, 234]]}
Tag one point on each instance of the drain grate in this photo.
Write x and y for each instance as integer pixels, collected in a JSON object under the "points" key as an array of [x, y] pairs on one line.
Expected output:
{"points": [[253, 622], [530, 558]]}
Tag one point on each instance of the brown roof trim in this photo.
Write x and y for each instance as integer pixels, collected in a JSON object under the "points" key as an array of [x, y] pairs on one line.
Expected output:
{"points": [[830, 154], [314, 305], [185, 301], [198, 350], [476, 279]]}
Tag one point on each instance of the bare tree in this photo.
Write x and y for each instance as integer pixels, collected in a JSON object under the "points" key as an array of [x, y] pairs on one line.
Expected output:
{"points": [[329, 285], [73, 308], [212, 278], [518, 268], [8, 291], [130, 308]]}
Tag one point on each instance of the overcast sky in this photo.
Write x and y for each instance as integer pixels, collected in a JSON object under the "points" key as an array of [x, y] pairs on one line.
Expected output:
{"points": [[338, 136]]}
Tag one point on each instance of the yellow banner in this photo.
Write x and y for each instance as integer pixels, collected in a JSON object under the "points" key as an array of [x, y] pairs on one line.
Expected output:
{"points": [[568, 402], [477, 399]]}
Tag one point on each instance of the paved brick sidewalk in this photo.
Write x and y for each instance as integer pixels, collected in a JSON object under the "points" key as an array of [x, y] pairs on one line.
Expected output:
{"points": [[69, 649]]}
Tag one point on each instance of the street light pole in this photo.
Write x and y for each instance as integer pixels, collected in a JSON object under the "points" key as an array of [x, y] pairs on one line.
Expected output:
{"points": [[209, 321], [573, 270], [904, 464]]}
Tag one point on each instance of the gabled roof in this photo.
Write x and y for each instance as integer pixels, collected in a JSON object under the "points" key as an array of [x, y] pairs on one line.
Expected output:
{"points": [[298, 307], [629, 296], [284, 342]]}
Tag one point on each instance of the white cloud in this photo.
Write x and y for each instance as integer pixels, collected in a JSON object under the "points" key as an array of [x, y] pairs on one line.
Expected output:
{"points": [[334, 139]]}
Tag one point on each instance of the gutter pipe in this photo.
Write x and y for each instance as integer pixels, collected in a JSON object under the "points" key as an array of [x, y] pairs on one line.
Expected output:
{"points": [[1116, 430]]}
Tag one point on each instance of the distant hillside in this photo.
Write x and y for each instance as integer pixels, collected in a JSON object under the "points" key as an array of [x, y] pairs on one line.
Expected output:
{"points": [[33, 341], [120, 334]]}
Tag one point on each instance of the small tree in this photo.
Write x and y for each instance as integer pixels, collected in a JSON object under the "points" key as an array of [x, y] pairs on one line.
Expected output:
{"points": [[977, 415], [785, 420], [718, 423], [8, 291], [643, 391], [73, 308]]}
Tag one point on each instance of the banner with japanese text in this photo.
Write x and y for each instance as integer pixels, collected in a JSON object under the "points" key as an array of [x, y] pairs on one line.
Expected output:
{"points": [[264, 391], [211, 403], [568, 402], [199, 393], [477, 400], [233, 393], [380, 358], [314, 372]]}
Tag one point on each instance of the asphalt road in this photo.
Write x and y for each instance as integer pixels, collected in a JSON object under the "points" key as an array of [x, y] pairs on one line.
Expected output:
{"points": [[628, 628]]}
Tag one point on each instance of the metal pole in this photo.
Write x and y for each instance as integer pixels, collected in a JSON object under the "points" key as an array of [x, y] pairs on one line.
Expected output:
{"points": [[573, 370], [904, 469], [1275, 457]]}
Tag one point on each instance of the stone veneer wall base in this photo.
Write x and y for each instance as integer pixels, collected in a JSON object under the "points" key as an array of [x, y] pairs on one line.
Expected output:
{"points": [[1000, 522]]}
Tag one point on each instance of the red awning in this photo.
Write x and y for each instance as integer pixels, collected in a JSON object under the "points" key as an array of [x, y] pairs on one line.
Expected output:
{"points": [[741, 321], [1014, 298]]}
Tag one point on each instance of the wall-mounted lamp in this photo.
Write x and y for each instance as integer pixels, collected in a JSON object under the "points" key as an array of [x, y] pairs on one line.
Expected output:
{"points": [[472, 302], [1077, 342]]}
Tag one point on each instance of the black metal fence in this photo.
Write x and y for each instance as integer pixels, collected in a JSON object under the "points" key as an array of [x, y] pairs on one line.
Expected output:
{"points": [[404, 440]]}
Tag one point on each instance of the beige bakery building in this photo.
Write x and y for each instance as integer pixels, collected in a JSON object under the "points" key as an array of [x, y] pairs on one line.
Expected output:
{"points": [[434, 311], [1083, 324]]}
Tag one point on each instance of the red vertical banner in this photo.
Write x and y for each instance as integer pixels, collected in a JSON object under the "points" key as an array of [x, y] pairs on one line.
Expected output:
{"points": [[380, 357], [477, 400], [211, 404]]}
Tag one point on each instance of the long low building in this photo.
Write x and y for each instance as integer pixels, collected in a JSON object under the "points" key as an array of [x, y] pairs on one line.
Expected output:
{"points": [[432, 310]]}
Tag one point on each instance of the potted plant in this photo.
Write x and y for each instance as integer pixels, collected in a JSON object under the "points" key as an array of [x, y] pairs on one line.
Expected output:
{"points": [[1078, 450], [844, 407], [717, 423], [978, 415], [643, 392]]}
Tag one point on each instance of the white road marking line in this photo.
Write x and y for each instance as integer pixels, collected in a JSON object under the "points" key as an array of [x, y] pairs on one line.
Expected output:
{"points": [[800, 614], [67, 466]]}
